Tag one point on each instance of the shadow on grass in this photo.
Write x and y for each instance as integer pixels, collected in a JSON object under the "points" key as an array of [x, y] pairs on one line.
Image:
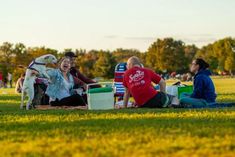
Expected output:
{"points": [[164, 126], [10, 97], [15, 110]]}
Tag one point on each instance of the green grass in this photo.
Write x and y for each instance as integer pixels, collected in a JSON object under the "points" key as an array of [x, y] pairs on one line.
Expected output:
{"points": [[129, 132]]}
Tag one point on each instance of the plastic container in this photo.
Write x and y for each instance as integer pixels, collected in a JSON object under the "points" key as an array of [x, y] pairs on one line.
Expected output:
{"points": [[100, 98], [185, 89], [172, 90]]}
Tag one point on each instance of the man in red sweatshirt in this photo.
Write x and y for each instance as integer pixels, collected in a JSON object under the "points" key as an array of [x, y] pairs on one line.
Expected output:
{"points": [[138, 83]]}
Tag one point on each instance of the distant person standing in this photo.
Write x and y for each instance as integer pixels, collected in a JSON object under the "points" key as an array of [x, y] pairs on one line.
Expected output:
{"points": [[1, 83], [9, 78], [5, 81]]}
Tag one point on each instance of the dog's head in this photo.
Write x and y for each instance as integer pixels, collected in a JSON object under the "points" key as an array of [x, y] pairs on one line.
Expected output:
{"points": [[49, 58]]}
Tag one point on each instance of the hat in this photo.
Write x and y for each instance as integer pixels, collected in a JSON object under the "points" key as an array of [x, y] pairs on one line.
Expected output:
{"points": [[69, 54]]}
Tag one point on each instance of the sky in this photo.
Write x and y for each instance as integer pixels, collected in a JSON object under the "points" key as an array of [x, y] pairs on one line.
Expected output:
{"points": [[111, 24]]}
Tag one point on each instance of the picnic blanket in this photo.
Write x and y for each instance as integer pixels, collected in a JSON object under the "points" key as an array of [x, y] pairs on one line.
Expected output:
{"points": [[49, 107], [212, 105]]}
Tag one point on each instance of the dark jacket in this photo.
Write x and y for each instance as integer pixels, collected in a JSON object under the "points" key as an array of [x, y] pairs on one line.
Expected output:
{"points": [[76, 73], [203, 86], [81, 79]]}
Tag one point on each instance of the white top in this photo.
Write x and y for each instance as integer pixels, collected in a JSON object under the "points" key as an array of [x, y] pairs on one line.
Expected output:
{"points": [[65, 92], [9, 77]]}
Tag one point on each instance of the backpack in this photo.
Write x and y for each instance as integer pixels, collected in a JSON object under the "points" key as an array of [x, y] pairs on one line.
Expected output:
{"points": [[40, 98]]}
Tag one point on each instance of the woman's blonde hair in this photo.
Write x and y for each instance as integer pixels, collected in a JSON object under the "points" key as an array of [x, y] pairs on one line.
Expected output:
{"points": [[61, 60]]}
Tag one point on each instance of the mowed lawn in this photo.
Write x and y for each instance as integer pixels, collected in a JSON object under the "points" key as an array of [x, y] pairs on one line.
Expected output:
{"points": [[128, 132]]}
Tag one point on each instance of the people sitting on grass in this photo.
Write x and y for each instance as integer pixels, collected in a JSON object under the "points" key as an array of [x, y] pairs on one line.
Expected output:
{"points": [[1, 80], [19, 83], [60, 89], [138, 83], [80, 79], [204, 90]]}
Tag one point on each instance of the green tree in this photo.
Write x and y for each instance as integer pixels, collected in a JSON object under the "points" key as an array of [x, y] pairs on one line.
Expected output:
{"points": [[85, 62], [167, 55], [219, 55], [20, 60], [208, 54], [229, 64], [105, 65], [122, 55], [35, 52], [7, 54], [190, 52]]}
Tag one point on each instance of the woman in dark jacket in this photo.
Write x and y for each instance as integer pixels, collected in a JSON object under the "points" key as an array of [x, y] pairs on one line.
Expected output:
{"points": [[204, 90]]}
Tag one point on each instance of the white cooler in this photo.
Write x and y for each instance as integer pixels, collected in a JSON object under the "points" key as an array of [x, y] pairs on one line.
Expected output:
{"points": [[172, 90], [100, 98]]}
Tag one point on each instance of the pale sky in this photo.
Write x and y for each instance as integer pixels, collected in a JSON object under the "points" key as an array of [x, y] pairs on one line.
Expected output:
{"points": [[111, 24]]}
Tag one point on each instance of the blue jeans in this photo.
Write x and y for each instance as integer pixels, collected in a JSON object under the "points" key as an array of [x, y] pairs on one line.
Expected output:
{"points": [[192, 102]]}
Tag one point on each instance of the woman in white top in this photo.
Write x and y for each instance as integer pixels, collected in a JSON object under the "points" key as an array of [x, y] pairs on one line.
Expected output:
{"points": [[60, 89]]}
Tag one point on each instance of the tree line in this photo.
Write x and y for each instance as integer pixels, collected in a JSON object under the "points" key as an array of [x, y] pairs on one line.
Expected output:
{"points": [[164, 56]]}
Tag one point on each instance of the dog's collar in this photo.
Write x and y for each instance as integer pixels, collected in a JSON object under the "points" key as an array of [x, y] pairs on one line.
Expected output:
{"points": [[33, 69], [34, 62]]}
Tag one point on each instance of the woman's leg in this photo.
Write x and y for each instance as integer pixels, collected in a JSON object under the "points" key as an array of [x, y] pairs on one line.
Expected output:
{"points": [[192, 102], [184, 94], [73, 100]]}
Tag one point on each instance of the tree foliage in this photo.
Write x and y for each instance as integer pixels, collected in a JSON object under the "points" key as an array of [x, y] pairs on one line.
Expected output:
{"points": [[163, 55], [167, 55], [220, 55]]}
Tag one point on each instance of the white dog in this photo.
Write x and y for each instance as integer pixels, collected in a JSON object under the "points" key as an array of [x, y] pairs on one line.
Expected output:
{"points": [[36, 67]]}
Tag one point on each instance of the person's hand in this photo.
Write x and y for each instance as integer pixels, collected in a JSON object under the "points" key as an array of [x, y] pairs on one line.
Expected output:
{"points": [[34, 73], [85, 87], [49, 81]]}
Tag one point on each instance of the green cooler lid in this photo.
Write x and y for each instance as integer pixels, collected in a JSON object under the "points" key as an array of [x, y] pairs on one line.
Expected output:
{"points": [[100, 90]]}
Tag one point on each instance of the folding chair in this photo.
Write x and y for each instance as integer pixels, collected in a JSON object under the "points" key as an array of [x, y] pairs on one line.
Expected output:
{"points": [[119, 89]]}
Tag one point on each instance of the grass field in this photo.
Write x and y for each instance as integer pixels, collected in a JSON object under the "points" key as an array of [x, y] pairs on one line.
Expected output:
{"points": [[128, 132]]}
